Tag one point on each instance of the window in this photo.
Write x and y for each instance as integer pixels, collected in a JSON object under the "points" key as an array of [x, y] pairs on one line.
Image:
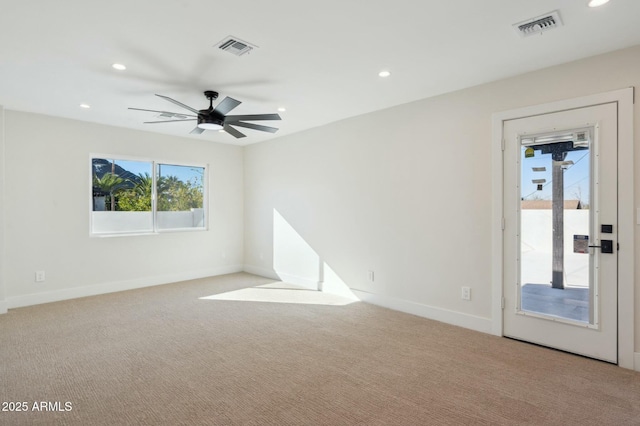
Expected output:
{"points": [[180, 192], [130, 196]]}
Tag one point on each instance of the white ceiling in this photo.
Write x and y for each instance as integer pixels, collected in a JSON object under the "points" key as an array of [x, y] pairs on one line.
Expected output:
{"points": [[319, 60]]}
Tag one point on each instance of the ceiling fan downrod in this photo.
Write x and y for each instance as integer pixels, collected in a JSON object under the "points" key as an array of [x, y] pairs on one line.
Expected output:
{"points": [[212, 96]]}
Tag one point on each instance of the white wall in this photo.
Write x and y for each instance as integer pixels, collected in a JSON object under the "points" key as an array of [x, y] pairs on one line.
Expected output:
{"points": [[47, 210], [406, 192]]}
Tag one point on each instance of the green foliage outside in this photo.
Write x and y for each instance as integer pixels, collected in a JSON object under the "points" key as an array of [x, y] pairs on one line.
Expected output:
{"points": [[173, 194], [111, 184], [138, 198], [176, 195]]}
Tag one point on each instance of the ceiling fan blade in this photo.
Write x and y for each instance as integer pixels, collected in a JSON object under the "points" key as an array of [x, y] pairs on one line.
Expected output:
{"points": [[168, 121], [233, 132], [254, 117], [255, 126], [178, 103], [164, 112], [196, 131], [226, 105]]}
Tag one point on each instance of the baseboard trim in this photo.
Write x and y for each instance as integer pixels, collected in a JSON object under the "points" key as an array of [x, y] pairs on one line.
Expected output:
{"points": [[301, 281], [112, 287], [261, 272], [459, 319], [636, 361], [281, 276]]}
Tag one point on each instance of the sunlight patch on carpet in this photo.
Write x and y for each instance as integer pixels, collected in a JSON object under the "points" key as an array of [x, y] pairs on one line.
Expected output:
{"points": [[283, 293]]}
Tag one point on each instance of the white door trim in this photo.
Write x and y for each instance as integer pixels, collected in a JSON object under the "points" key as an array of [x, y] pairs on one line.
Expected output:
{"points": [[3, 303], [626, 223]]}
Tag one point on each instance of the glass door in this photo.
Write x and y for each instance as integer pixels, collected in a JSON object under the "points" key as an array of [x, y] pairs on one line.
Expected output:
{"points": [[560, 208], [555, 226]]}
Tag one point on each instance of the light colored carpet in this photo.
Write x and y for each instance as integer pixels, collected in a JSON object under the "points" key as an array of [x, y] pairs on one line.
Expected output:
{"points": [[175, 355]]}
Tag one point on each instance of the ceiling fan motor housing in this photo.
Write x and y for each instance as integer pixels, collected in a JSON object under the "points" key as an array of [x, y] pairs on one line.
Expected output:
{"points": [[209, 119]]}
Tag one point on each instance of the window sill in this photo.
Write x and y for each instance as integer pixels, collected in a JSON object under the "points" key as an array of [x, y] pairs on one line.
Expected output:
{"points": [[139, 234]]}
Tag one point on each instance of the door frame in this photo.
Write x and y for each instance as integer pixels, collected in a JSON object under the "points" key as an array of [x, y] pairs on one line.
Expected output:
{"points": [[626, 224]]}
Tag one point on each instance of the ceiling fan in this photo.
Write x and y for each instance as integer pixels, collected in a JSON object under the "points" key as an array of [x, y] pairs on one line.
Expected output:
{"points": [[215, 118]]}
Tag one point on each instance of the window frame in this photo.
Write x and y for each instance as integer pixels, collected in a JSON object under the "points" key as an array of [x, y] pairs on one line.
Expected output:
{"points": [[154, 195]]}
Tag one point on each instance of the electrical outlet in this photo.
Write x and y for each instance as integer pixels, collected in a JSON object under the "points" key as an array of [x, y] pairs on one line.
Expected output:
{"points": [[371, 277], [466, 293], [40, 276]]}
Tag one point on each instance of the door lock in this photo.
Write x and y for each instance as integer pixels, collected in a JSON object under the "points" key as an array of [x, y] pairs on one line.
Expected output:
{"points": [[606, 246]]}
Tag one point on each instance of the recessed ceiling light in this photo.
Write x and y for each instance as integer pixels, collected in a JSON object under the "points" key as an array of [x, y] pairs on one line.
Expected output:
{"points": [[596, 3], [384, 74], [85, 106], [282, 109], [119, 67]]}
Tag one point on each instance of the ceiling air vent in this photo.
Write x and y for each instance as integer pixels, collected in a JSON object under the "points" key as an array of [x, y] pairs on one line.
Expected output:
{"points": [[235, 45], [538, 25]]}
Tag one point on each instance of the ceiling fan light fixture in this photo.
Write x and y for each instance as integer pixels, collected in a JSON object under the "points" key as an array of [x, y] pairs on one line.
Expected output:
{"points": [[210, 126], [210, 123]]}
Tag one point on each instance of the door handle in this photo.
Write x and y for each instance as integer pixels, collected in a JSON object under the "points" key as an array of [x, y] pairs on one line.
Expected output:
{"points": [[605, 245]]}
